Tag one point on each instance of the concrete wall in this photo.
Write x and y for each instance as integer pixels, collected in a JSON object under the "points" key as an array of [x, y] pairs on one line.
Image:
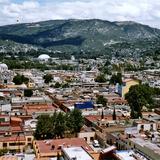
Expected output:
{"points": [[127, 86], [88, 136], [147, 127]]}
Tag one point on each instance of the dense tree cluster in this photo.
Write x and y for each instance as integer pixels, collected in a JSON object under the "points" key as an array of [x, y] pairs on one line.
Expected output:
{"points": [[100, 78], [19, 79], [116, 78], [28, 92], [156, 91], [59, 125], [24, 64], [57, 85], [64, 67], [3, 152], [47, 78], [101, 100], [139, 96], [61, 85]]}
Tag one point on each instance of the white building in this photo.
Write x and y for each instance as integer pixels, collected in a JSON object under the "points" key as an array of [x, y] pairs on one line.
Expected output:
{"points": [[75, 153], [6, 76], [44, 57]]}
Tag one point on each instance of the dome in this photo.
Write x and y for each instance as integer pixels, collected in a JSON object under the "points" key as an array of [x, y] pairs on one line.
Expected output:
{"points": [[3, 67], [44, 57]]}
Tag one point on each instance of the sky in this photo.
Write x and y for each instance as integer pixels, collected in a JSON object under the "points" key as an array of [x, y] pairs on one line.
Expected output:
{"points": [[24, 11]]}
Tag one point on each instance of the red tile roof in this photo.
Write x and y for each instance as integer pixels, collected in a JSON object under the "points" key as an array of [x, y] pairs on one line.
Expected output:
{"points": [[12, 139], [16, 119], [46, 145], [38, 108], [8, 158], [95, 118], [16, 129]]}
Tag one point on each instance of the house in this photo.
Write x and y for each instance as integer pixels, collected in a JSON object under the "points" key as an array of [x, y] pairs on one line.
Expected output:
{"points": [[50, 148], [88, 134], [16, 143], [124, 88]]}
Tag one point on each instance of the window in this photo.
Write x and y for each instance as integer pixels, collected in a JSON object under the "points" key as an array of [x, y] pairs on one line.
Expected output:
{"points": [[151, 128], [14, 144], [91, 138], [142, 127], [29, 139], [4, 144]]}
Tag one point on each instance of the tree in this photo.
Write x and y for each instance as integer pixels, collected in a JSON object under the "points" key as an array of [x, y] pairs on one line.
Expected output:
{"points": [[116, 79], [28, 92], [47, 78], [58, 125], [107, 63], [114, 114], [3, 151], [24, 79], [100, 78], [59, 128], [19, 79], [102, 115], [101, 100], [65, 85], [137, 97], [57, 85], [156, 91], [106, 70], [44, 129], [76, 120]]}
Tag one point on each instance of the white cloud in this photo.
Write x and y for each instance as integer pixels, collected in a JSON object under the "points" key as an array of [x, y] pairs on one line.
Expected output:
{"points": [[143, 11]]}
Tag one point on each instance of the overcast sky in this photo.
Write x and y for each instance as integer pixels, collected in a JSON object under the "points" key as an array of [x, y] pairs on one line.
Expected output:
{"points": [[143, 11]]}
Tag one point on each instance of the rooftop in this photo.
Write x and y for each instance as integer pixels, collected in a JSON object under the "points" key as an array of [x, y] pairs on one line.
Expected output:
{"points": [[125, 155], [12, 139], [146, 144], [76, 152], [48, 146], [8, 157]]}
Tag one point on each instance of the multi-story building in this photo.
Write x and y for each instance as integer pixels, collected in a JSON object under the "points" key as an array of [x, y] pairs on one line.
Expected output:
{"points": [[124, 88]]}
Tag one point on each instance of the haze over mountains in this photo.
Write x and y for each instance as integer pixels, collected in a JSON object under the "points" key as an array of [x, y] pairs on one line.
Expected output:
{"points": [[87, 36]]}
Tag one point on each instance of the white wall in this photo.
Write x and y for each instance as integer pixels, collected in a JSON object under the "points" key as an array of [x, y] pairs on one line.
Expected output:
{"points": [[147, 126]]}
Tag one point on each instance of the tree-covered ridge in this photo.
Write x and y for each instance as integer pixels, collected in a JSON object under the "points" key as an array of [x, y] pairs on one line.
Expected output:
{"points": [[75, 36]]}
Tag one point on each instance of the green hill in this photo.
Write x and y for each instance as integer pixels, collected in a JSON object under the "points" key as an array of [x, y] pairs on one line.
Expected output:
{"points": [[75, 36]]}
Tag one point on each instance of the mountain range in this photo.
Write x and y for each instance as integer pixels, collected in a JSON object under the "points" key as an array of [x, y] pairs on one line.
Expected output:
{"points": [[80, 36]]}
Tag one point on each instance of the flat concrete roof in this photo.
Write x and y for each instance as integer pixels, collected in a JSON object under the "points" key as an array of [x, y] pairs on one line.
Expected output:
{"points": [[76, 152], [125, 155]]}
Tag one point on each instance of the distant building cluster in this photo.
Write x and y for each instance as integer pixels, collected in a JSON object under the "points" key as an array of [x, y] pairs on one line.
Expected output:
{"points": [[108, 131]]}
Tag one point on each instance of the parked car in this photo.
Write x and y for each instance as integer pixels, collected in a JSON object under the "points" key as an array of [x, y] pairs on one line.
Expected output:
{"points": [[96, 143]]}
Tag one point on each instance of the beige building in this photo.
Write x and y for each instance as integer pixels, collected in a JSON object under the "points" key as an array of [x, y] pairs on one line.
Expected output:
{"points": [[87, 134], [46, 149], [15, 143], [127, 83]]}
